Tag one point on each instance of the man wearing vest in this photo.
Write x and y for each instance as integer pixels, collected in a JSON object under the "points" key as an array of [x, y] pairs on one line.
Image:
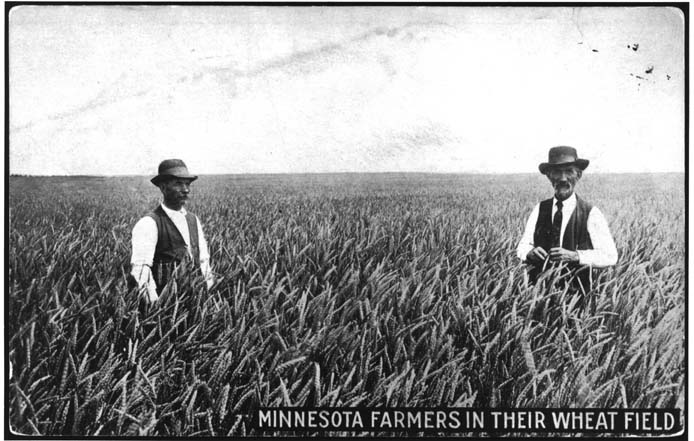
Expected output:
{"points": [[168, 236], [565, 228]]}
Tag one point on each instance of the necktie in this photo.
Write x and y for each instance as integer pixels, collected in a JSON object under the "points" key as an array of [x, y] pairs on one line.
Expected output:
{"points": [[556, 226]]}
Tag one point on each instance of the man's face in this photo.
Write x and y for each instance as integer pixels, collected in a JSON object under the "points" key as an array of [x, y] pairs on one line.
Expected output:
{"points": [[564, 180], [175, 192]]}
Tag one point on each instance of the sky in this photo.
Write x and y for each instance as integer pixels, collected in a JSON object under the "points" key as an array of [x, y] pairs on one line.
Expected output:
{"points": [[111, 90]]}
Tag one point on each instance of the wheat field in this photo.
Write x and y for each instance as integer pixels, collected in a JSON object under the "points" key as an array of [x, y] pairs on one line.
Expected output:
{"points": [[336, 290]]}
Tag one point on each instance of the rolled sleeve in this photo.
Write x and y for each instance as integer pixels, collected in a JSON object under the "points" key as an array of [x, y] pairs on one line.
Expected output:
{"points": [[144, 242]]}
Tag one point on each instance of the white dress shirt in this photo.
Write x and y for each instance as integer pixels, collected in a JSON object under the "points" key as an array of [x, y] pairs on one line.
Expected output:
{"points": [[604, 252], [144, 242]]}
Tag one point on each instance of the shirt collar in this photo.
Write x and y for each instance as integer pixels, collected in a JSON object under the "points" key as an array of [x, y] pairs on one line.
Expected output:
{"points": [[170, 212], [569, 203]]}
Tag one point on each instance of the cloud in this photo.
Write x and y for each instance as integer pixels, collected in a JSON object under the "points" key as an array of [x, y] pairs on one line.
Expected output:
{"points": [[140, 81], [418, 138]]}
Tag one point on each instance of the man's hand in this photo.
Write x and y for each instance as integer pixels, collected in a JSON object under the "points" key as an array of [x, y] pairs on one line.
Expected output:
{"points": [[536, 255], [558, 254]]}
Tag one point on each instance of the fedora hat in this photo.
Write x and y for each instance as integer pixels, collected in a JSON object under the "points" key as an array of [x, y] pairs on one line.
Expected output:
{"points": [[172, 168], [562, 155]]}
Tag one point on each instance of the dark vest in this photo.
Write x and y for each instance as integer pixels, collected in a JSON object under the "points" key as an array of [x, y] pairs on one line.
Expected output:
{"points": [[171, 247], [575, 238]]}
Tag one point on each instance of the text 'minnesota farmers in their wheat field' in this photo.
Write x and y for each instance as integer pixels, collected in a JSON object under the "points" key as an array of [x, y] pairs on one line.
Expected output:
{"points": [[566, 229], [168, 236]]}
